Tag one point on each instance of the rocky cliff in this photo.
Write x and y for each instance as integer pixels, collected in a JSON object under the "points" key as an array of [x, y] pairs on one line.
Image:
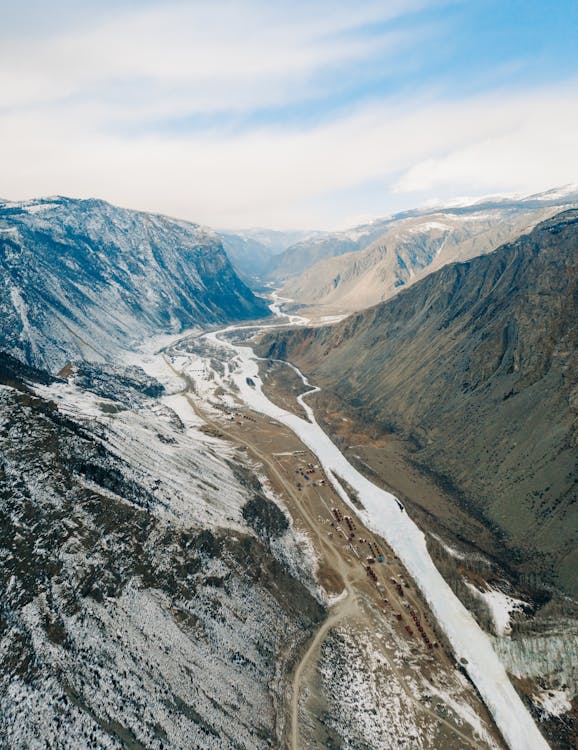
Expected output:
{"points": [[81, 279]]}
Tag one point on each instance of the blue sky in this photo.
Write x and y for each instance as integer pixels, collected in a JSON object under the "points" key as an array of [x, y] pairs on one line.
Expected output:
{"points": [[287, 114]]}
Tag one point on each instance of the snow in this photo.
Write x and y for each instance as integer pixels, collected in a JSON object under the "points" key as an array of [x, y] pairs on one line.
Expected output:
{"points": [[20, 307], [181, 467], [357, 679], [500, 605], [463, 710], [550, 656], [553, 702], [427, 226], [154, 658], [563, 191], [332, 318], [358, 675], [450, 550], [384, 514]]}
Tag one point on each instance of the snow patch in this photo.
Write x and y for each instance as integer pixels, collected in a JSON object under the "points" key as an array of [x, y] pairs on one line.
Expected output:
{"points": [[500, 605], [553, 702]]}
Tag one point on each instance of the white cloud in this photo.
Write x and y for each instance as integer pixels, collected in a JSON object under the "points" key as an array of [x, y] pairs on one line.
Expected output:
{"points": [[76, 101], [527, 143], [178, 58], [272, 177]]}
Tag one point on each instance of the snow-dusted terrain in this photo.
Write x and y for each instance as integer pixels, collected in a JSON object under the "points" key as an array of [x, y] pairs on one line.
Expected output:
{"points": [[152, 589], [385, 515], [82, 279]]}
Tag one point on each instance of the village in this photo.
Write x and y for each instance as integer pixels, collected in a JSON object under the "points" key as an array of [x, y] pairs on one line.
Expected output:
{"points": [[372, 599]]}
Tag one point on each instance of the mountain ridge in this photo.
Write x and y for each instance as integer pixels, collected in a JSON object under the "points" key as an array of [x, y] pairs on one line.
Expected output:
{"points": [[473, 366], [83, 279], [356, 268]]}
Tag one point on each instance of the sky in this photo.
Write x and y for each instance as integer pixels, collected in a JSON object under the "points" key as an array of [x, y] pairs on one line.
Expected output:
{"points": [[302, 114]]}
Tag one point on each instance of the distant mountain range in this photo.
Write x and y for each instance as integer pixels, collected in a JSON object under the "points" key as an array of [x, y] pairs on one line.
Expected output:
{"points": [[350, 270], [475, 368], [82, 279], [252, 251]]}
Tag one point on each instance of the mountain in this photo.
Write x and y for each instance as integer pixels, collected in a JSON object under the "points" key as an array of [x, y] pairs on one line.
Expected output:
{"points": [[356, 269], [305, 253], [474, 368], [149, 588], [83, 279], [405, 253], [252, 251], [249, 257]]}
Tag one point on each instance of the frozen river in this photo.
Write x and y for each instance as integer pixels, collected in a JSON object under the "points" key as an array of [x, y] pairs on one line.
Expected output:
{"points": [[385, 515]]}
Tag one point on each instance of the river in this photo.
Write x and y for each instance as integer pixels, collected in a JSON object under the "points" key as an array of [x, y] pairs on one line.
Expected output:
{"points": [[385, 515]]}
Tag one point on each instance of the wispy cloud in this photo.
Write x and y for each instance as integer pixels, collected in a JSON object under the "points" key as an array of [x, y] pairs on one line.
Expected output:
{"points": [[91, 108], [196, 58]]}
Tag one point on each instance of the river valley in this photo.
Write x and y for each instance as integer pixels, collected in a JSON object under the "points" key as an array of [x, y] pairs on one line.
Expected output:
{"points": [[222, 379]]}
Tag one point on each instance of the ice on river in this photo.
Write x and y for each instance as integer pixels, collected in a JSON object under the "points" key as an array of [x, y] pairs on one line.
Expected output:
{"points": [[384, 515]]}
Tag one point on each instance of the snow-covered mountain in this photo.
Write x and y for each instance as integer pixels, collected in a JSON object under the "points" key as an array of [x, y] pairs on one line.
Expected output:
{"points": [[81, 279]]}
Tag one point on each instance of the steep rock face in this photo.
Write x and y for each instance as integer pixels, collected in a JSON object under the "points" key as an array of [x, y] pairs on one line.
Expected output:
{"points": [[476, 367], [138, 609], [306, 253], [253, 251], [249, 257], [82, 278]]}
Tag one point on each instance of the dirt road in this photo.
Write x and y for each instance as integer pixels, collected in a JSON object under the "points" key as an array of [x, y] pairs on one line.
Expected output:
{"points": [[374, 609]]}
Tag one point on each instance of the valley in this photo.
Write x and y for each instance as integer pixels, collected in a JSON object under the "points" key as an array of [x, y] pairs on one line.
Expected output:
{"points": [[362, 610], [210, 366], [294, 549], [289, 375]]}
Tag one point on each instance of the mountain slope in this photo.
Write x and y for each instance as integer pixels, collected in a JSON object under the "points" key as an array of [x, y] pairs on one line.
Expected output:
{"points": [[253, 251], [82, 278], [475, 366], [249, 256], [306, 253], [149, 594], [352, 270], [409, 250]]}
